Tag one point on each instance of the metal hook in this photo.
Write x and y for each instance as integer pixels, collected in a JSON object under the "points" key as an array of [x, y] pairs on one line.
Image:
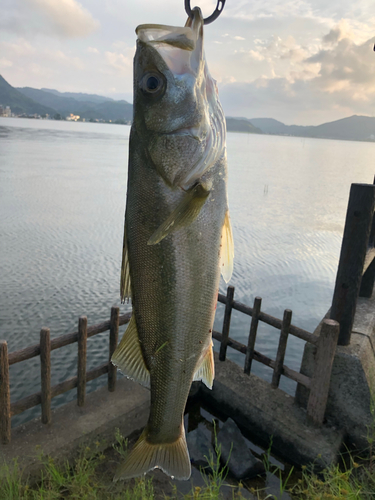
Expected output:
{"points": [[212, 17]]}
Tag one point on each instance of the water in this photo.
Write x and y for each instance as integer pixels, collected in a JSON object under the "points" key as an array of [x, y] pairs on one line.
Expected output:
{"points": [[62, 199]]}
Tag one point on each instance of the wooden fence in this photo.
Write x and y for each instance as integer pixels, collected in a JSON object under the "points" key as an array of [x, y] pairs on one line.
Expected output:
{"points": [[43, 349], [318, 384], [325, 344]]}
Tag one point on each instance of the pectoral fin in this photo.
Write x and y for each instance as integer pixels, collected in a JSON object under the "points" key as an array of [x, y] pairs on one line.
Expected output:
{"points": [[227, 249], [185, 213], [128, 356], [206, 370], [125, 289]]}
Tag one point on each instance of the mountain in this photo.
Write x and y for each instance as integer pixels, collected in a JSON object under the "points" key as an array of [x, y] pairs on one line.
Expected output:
{"points": [[62, 105], [79, 96], [241, 125], [95, 107], [269, 125], [20, 103], [88, 106], [353, 128], [109, 110]]}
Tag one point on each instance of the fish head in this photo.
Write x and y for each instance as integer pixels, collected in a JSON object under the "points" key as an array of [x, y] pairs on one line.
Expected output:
{"points": [[177, 113]]}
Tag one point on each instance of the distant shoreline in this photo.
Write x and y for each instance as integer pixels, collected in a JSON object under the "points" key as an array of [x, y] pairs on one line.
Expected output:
{"points": [[33, 119]]}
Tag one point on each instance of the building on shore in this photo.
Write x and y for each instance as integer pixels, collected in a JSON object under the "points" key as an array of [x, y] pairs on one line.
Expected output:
{"points": [[72, 118], [5, 111]]}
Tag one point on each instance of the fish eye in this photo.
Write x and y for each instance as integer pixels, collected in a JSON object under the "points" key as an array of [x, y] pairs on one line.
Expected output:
{"points": [[152, 83]]}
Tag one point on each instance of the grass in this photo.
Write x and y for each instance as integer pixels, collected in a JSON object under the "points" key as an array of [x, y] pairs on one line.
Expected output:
{"points": [[354, 482], [90, 478]]}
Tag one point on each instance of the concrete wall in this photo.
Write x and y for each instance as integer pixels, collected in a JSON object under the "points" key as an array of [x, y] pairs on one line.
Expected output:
{"points": [[353, 377], [266, 414], [73, 427]]}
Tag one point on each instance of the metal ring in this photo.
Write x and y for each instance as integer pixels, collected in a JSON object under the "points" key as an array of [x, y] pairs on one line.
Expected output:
{"points": [[212, 17]]}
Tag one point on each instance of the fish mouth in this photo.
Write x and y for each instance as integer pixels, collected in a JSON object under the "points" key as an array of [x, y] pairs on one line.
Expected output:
{"points": [[180, 47]]}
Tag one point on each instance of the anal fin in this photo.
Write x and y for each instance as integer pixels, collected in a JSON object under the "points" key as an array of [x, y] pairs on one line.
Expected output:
{"points": [[206, 370], [183, 215], [128, 356]]}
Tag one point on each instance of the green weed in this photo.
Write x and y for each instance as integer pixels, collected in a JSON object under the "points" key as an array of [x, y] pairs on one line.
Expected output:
{"points": [[121, 445]]}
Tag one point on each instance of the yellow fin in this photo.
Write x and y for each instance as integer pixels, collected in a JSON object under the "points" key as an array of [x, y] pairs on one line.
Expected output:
{"points": [[206, 370], [128, 356], [185, 213], [171, 458], [125, 289], [227, 249]]}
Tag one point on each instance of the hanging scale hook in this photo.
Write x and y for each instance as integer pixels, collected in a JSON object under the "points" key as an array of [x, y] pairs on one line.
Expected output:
{"points": [[212, 17]]}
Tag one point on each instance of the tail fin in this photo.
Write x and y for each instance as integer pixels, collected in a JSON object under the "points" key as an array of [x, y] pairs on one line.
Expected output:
{"points": [[171, 458]]}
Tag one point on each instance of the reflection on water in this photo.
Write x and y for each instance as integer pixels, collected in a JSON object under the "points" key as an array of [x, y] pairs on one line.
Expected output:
{"points": [[62, 199]]}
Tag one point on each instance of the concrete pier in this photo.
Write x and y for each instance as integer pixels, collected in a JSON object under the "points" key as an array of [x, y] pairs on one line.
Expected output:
{"points": [[73, 427], [264, 413], [351, 399], [259, 410]]}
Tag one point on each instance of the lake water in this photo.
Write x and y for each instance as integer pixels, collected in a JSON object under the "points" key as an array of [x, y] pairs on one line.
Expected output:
{"points": [[62, 201]]}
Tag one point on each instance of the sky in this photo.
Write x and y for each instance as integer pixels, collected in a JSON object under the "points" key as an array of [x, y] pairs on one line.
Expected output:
{"points": [[302, 62]]}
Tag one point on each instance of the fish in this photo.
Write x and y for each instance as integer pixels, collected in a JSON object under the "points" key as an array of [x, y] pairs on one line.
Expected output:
{"points": [[177, 236]]}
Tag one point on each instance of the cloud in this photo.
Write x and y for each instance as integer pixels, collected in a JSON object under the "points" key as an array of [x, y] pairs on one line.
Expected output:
{"points": [[259, 9], [5, 63], [61, 18], [256, 55], [337, 80], [118, 61], [18, 48], [345, 61], [67, 16], [273, 57]]}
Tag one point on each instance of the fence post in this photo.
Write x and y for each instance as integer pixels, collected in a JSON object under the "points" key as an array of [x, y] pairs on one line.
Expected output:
{"points": [[226, 323], [321, 378], [113, 340], [5, 416], [354, 246], [252, 335], [45, 374], [367, 282], [82, 354], [287, 319]]}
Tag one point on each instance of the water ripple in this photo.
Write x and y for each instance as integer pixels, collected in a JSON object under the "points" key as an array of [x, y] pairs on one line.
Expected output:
{"points": [[62, 196]]}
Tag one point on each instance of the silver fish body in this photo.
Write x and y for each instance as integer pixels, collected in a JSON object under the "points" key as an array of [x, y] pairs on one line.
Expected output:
{"points": [[177, 236]]}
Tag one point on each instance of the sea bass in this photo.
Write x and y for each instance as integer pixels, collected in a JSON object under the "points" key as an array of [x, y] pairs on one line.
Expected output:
{"points": [[177, 236]]}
